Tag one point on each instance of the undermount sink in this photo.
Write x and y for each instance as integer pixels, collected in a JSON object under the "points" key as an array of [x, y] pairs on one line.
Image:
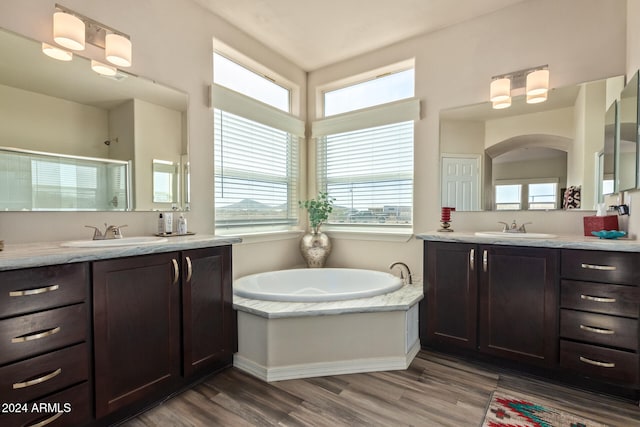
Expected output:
{"points": [[126, 241], [504, 235]]}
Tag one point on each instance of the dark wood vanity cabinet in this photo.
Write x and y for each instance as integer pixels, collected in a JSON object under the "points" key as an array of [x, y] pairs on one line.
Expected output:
{"points": [[498, 300], [599, 312], [159, 322], [451, 295], [518, 308], [45, 344], [136, 328]]}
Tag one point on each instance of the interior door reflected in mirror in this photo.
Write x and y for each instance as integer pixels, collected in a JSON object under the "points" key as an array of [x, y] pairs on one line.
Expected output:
{"points": [[85, 141], [527, 156], [608, 162]]}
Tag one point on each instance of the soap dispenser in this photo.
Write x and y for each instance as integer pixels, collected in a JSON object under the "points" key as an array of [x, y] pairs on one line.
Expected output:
{"points": [[182, 224], [160, 224]]}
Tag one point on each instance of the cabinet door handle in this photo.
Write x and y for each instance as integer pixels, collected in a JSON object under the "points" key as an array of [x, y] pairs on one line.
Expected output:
{"points": [[176, 271], [47, 421], [38, 380], [597, 299], [595, 330], [189, 269], [598, 267], [36, 336], [37, 291], [597, 363], [485, 260], [472, 258]]}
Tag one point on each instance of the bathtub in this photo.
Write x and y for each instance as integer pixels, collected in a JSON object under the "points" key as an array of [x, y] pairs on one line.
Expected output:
{"points": [[317, 322], [316, 285]]}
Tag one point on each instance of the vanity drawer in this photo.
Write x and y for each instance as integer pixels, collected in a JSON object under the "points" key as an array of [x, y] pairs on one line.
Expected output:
{"points": [[599, 362], [601, 266], [74, 404], [599, 329], [32, 334], [39, 376], [619, 300], [34, 289]]}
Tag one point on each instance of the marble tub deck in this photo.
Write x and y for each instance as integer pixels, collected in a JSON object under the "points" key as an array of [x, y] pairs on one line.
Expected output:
{"points": [[400, 300]]}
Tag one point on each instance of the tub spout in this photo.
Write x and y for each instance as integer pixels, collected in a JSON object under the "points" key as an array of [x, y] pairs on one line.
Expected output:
{"points": [[405, 273]]}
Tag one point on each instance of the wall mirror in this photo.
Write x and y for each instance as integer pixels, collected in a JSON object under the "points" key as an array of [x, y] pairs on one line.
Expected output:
{"points": [[525, 156], [627, 154], [71, 139]]}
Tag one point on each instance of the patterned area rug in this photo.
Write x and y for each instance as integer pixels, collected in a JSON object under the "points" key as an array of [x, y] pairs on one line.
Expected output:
{"points": [[508, 411]]}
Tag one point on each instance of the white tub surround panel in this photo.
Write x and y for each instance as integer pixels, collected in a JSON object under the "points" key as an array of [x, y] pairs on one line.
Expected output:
{"points": [[280, 340]]}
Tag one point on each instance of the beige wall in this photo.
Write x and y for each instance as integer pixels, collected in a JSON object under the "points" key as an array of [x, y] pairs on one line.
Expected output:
{"points": [[172, 44], [39, 122]]}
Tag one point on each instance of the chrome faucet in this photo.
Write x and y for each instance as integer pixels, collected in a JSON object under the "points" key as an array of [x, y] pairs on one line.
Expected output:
{"points": [[405, 273], [513, 227], [110, 232]]}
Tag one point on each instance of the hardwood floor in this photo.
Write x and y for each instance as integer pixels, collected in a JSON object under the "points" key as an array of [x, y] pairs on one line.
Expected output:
{"points": [[436, 390]]}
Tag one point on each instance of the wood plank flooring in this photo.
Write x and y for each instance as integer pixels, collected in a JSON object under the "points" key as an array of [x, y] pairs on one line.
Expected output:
{"points": [[436, 390]]}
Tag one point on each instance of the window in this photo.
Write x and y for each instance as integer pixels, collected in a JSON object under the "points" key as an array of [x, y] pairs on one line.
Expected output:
{"points": [[256, 150], [539, 195], [365, 156]]}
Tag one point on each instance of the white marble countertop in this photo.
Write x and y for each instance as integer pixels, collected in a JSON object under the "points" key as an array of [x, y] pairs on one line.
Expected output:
{"points": [[402, 299], [26, 255], [561, 241]]}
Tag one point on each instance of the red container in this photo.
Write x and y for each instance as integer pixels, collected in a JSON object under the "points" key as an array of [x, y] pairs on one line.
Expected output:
{"points": [[598, 223]]}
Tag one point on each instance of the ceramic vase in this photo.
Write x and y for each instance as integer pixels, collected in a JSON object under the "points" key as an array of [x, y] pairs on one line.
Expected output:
{"points": [[315, 248]]}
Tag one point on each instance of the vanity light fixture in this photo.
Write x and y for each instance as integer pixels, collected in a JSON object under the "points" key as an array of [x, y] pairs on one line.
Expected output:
{"points": [[56, 52], [68, 30], [104, 69], [71, 30], [534, 80]]}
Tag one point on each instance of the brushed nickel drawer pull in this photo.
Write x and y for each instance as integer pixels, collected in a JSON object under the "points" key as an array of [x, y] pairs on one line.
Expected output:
{"points": [[176, 271], [47, 421], [472, 258], [38, 380], [597, 363], [597, 299], [36, 336], [597, 330], [599, 267], [189, 269], [485, 260], [33, 291]]}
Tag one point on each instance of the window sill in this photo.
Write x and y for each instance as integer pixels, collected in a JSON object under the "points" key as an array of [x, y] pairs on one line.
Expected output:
{"points": [[265, 236], [371, 234]]}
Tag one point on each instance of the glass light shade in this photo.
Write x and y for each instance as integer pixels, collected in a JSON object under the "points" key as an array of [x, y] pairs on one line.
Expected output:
{"points": [[104, 69], [500, 89], [68, 31], [537, 82], [117, 50], [504, 103], [535, 99], [56, 52]]}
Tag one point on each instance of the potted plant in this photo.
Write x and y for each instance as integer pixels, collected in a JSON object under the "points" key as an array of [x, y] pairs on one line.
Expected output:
{"points": [[315, 246]]}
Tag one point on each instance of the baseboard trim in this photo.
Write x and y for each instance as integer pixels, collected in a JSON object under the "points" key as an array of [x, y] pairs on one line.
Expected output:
{"points": [[310, 370]]}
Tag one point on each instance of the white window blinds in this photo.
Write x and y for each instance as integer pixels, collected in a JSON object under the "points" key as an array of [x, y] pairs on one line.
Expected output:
{"points": [[256, 162], [365, 162]]}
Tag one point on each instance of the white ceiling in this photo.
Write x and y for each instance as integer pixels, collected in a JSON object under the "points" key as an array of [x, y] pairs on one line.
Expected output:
{"points": [[316, 33]]}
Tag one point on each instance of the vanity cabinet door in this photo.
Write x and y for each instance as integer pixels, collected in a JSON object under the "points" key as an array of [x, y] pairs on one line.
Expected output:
{"points": [[518, 303], [136, 329], [451, 299], [208, 319]]}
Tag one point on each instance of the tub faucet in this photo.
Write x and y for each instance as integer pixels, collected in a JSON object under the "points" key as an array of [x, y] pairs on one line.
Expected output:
{"points": [[405, 273]]}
